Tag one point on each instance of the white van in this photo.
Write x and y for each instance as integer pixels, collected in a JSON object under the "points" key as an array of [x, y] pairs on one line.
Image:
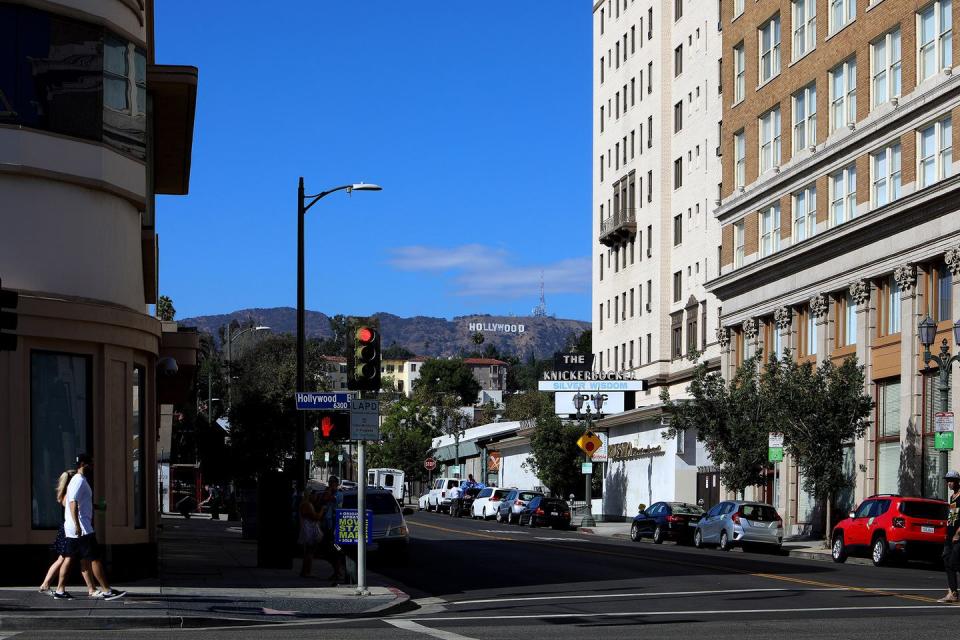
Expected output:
{"points": [[437, 499], [389, 479]]}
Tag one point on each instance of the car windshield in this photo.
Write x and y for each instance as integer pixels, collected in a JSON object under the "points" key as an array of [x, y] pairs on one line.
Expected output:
{"points": [[379, 503], [917, 509], [682, 508], [758, 512], [527, 495], [499, 494]]}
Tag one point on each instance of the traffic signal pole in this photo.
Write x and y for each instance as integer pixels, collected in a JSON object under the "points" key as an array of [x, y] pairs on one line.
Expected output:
{"points": [[300, 454], [362, 589]]}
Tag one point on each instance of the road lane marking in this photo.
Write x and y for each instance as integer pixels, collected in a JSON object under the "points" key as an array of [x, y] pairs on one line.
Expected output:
{"points": [[700, 565], [687, 612], [657, 593], [410, 625]]}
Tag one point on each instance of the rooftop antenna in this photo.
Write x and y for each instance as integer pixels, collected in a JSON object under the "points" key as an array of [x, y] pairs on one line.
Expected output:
{"points": [[540, 311]]}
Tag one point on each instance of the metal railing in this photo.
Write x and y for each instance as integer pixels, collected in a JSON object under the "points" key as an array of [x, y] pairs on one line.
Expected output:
{"points": [[617, 220]]}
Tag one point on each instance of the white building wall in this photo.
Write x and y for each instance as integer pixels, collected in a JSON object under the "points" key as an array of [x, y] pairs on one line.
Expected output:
{"points": [[514, 470]]}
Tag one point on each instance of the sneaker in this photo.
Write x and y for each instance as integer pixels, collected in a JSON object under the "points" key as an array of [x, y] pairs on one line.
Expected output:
{"points": [[113, 594], [62, 596], [950, 597], [47, 591], [96, 595]]}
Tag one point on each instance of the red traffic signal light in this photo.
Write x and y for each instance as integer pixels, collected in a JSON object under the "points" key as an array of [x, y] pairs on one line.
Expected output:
{"points": [[334, 425], [363, 353], [366, 335]]}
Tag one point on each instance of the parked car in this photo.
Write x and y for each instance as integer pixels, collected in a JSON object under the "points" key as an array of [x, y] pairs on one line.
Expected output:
{"points": [[666, 521], [738, 523], [465, 503], [541, 510], [422, 501], [510, 507], [887, 525], [438, 500], [486, 503], [390, 533]]}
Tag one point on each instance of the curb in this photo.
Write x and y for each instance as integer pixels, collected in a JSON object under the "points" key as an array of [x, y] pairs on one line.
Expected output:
{"points": [[824, 557], [401, 604]]}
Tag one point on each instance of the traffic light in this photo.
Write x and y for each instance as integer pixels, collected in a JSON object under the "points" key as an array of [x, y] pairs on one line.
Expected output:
{"points": [[334, 425], [8, 319], [363, 358]]}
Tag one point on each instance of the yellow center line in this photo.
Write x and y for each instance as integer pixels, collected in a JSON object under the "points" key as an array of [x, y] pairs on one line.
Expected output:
{"points": [[701, 565]]}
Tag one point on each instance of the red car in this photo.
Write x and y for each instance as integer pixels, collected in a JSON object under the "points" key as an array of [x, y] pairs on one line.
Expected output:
{"points": [[889, 524]]}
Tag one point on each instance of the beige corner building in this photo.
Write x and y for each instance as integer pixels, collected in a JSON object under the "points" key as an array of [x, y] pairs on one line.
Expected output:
{"points": [[91, 129], [839, 213]]}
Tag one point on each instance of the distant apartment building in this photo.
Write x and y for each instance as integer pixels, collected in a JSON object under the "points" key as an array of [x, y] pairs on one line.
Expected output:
{"points": [[335, 372], [657, 106], [839, 214], [92, 129]]}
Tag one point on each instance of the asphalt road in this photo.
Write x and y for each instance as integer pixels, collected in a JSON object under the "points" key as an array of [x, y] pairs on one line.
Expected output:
{"points": [[483, 580]]}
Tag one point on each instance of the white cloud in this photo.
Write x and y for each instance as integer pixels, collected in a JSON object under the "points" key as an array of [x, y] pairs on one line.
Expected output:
{"points": [[482, 271]]}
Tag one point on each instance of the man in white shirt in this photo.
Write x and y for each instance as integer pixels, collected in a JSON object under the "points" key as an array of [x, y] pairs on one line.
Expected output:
{"points": [[81, 539]]}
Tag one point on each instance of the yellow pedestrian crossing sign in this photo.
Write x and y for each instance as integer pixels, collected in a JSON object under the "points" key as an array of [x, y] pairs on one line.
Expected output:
{"points": [[589, 443]]}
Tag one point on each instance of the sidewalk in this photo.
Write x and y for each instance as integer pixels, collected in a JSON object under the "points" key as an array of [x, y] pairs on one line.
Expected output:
{"points": [[208, 577], [806, 549]]}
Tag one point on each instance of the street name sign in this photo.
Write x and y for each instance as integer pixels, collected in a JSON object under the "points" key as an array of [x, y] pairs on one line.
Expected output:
{"points": [[365, 420], [322, 401], [943, 426]]}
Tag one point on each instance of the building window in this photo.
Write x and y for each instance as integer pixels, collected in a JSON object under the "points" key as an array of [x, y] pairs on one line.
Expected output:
{"points": [[935, 146], [890, 307], [739, 239], [138, 448], [633, 39], [677, 283], [933, 461], [739, 159], [849, 321], [678, 173], [811, 337], [885, 61], [940, 284], [739, 73], [770, 139], [804, 27], [934, 34], [649, 132], [678, 60], [649, 348], [885, 170], [888, 436], [804, 213], [601, 70], [677, 229], [843, 195], [841, 13], [677, 9], [61, 426], [678, 117], [805, 118], [843, 94], [633, 91], [770, 230], [770, 49], [737, 7]]}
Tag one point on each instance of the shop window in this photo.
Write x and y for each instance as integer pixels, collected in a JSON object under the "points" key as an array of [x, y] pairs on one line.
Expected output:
{"points": [[888, 436], [940, 298], [138, 448], [889, 307], [934, 462], [61, 406]]}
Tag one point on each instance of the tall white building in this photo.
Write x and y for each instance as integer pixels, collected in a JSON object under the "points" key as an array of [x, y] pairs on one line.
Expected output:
{"points": [[656, 117]]}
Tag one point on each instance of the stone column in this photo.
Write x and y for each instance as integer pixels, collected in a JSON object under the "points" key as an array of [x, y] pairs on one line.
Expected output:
{"points": [[864, 449], [911, 382], [783, 321], [952, 259], [819, 306], [750, 342]]}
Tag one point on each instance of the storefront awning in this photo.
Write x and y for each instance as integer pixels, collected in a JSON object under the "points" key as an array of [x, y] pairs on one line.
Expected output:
{"points": [[449, 452]]}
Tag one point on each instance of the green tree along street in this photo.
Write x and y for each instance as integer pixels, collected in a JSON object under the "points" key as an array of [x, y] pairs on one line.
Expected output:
{"points": [[408, 430], [555, 455], [451, 377]]}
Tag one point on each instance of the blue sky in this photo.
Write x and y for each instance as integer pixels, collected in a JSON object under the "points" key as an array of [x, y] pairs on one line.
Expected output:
{"points": [[473, 116]]}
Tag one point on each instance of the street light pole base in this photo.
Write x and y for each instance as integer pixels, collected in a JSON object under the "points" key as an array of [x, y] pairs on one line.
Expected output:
{"points": [[588, 521]]}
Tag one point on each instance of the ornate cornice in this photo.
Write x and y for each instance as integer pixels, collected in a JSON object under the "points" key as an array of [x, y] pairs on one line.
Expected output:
{"points": [[783, 316], [906, 276], [818, 305], [723, 337], [860, 291]]}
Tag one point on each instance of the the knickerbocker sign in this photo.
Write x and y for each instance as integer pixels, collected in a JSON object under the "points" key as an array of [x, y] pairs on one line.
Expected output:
{"points": [[628, 451]]}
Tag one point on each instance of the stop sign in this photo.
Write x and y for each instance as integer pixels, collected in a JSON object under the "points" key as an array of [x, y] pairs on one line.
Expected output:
{"points": [[430, 464]]}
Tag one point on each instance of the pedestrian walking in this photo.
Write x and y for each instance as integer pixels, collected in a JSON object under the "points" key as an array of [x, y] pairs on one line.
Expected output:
{"points": [[331, 501], [60, 542], [81, 540], [951, 545], [310, 534]]}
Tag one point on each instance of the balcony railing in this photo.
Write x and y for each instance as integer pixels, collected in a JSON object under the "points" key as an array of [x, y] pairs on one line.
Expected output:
{"points": [[618, 228]]}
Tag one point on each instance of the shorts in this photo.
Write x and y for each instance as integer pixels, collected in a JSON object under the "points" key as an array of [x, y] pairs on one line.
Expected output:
{"points": [[83, 548]]}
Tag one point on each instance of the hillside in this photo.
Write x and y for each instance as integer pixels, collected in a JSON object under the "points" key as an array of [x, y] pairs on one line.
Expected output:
{"points": [[422, 335]]}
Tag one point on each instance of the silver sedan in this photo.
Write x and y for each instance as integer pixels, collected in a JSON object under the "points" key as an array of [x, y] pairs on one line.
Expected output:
{"points": [[737, 523]]}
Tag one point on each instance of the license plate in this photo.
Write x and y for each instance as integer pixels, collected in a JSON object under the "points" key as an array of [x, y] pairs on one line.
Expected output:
{"points": [[554, 513], [926, 529]]}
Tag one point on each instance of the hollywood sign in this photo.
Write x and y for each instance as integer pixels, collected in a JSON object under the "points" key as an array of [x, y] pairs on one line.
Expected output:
{"points": [[497, 327]]}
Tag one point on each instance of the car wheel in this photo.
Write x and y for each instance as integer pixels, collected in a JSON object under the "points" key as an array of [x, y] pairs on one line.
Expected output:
{"points": [[838, 550], [698, 539], [635, 532], [724, 541], [499, 518], [879, 552], [658, 536], [533, 522], [510, 519]]}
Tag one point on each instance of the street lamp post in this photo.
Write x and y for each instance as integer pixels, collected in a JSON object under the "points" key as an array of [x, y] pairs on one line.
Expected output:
{"points": [[927, 332], [302, 207], [231, 336], [597, 398]]}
